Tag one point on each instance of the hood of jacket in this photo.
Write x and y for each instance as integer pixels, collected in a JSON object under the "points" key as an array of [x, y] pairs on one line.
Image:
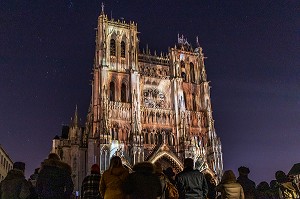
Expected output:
{"points": [[56, 163]]}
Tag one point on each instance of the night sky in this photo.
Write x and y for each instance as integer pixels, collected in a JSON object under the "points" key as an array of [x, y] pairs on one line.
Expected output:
{"points": [[253, 63]]}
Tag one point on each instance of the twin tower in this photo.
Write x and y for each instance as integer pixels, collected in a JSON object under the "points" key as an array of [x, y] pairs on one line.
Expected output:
{"points": [[144, 107]]}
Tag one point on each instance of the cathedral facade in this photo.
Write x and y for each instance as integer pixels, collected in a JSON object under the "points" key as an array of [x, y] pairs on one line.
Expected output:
{"points": [[144, 107]]}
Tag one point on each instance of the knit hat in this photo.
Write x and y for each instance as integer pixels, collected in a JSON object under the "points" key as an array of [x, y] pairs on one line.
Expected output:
{"points": [[243, 170], [19, 165], [95, 169]]}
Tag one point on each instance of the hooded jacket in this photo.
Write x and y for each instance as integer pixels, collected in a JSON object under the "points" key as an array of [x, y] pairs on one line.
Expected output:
{"points": [[14, 185], [111, 183], [54, 180]]}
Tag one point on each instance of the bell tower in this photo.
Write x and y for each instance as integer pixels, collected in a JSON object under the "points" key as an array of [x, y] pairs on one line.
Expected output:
{"points": [[115, 89]]}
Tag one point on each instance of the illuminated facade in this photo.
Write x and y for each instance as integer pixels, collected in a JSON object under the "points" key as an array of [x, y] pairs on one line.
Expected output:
{"points": [[144, 107], [6, 163]]}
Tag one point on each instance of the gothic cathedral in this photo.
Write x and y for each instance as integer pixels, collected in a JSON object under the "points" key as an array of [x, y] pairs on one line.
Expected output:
{"points": [[144, 107]]}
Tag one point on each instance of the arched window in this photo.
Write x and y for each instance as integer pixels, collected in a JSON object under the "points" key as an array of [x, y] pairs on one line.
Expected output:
{"points": [[192, 72], [182, 64], [194, 102], [184, 98], [123, 93], [183, 75], [123, 49], [152, 138], [146, 138], [112, 47], [112, 91]]}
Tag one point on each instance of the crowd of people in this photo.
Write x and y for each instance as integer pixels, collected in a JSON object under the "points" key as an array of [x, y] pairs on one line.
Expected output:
{"points": [[146, 181]]}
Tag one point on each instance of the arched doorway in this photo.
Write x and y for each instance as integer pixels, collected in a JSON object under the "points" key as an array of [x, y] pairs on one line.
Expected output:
{"points": [[167, 159]]}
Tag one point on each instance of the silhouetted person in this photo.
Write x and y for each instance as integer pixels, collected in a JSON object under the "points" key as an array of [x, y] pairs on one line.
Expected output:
{"points": [[90, 184], [14, 185], [287, 188], [170, 175], [112, 180], [229, 187], [263, 191], [191, 182], [54, 179], [143, 183], [211, 186], [32, 180], [274, 187], [247, 184]]}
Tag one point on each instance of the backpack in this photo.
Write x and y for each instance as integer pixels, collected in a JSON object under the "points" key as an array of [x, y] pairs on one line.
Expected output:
{"points": [[171, 191]]}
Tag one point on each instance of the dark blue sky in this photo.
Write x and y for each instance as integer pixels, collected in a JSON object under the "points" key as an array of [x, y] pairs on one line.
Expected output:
{"points": [[47, 53]]}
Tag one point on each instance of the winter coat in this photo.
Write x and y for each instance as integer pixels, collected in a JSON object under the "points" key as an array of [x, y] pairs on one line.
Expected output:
{"points": [[248, 187], [14, 185], [231, 190], [54, 180], [90, 187], [111, 183], [191, 184], [211, 190], [143, 183], [288, 190]]}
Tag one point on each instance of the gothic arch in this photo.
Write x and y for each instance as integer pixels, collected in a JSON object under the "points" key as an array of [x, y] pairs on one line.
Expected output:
{"points": [[112, 89], [146, 138], [192, 72], [123, 49], [194, 102], [112, 46], [169, 157], [124, 92]]}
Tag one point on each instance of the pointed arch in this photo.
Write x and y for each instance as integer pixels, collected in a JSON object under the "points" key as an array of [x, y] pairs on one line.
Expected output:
{"points": [[161, 153], [123, 49], [192, 72], [112, 47], [112, 91], [184, 98], [123, 93], [194, 102]]}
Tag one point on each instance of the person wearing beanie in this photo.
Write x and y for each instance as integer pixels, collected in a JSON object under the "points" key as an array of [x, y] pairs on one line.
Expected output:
{"points": [[54, 180], [90, 184], [247, 184], [14, 185]]}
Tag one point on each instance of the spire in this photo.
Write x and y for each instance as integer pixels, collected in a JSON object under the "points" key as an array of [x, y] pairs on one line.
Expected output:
{"points": [[197, 42], [102, 8], [75, 120]]}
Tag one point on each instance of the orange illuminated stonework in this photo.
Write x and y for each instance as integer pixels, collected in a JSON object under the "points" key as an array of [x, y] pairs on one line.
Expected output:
{"points": [[144, 106]]}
